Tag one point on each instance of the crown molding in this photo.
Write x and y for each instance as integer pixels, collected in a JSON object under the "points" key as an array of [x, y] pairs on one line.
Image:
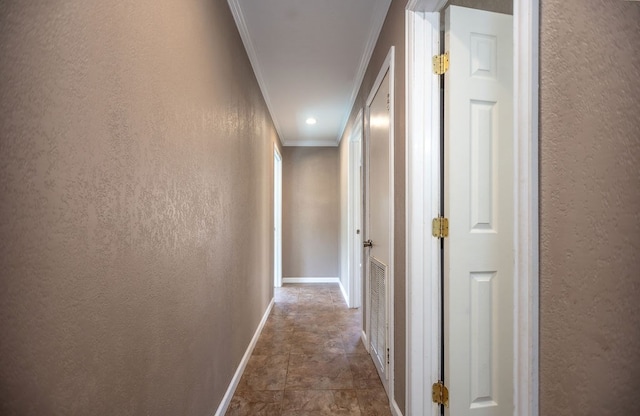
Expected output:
{"points": [[310, 143], [236, 11], [374, 33]]}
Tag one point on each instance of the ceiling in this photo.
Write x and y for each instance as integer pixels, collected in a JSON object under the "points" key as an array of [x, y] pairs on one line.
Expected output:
{"points": [[309, 58]]}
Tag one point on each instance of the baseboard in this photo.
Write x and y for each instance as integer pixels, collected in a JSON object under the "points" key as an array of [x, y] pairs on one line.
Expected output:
{"points": [[395, 409], [226, 400], [310, 280], [365, 341], [344, 293]]}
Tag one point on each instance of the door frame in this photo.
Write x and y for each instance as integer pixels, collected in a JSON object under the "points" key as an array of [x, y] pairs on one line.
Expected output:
{"points": [[355, 214], [422, 34], [387, 66], [277, 217]]}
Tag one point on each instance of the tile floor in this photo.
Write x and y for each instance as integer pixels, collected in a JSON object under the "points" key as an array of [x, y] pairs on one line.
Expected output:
{"points": [[310, 360]]}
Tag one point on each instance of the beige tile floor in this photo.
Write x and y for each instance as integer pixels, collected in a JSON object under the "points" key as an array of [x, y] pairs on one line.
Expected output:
{"points": [[310, 360]]}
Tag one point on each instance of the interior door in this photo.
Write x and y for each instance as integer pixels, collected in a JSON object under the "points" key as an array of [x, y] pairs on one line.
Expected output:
{"points": [[478, 197], [355, 215], [378, 250]]}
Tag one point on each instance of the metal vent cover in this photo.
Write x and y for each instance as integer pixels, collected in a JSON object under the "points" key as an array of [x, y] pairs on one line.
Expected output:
{"points": [[378, 312]]}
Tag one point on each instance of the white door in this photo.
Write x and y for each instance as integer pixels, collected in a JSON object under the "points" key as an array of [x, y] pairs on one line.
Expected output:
{"points": [[355, 215], [479, 202], [378, 214], [277, 219]]}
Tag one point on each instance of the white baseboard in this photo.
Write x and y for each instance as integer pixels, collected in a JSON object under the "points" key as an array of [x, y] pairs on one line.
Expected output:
{"points": [[365, 341], [344, 293], [395, 410], [226, 400], [310, 280]]}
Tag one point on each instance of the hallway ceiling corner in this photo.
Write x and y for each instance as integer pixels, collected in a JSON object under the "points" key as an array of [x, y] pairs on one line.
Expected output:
{"points": [[309, 59]]}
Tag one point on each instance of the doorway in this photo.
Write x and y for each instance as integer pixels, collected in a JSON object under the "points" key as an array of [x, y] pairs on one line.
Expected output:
{"points": [[355, 206], [378, 222], [277, 218], [424, 196], [478, 201]]}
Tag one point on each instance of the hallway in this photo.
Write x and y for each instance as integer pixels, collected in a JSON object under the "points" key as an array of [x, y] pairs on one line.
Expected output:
{"points": [[137, 208], [310, 360]]}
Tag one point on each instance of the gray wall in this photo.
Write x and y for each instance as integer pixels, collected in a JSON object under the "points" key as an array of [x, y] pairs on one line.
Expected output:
{"points": [[590, 205], [136, 194], [310, 212], [392, 34]]}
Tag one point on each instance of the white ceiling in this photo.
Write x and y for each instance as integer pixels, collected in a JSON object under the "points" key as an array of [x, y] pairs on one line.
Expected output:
{"points": [[309, 58]]}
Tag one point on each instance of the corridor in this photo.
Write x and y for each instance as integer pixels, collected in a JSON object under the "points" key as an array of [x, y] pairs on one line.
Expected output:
{"points": [[310, 360]]}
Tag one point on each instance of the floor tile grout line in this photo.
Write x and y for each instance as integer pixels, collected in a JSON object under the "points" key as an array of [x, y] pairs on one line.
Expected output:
{"points": [[322, 327]]}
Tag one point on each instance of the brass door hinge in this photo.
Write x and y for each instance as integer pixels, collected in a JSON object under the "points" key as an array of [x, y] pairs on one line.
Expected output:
{"points": [[440, 393], [388, 356], [440, 227], [440, 63]]}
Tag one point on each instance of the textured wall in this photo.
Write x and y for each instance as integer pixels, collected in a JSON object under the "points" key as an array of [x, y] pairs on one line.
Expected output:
{"points": [[590, 205], [135, 177], [310, 212], [392, 34]]}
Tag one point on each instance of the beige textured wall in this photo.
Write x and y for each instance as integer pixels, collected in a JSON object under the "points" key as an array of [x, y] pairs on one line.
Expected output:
{"points": [[392, 34], [590, 205], [310, 212], [136, 195]]}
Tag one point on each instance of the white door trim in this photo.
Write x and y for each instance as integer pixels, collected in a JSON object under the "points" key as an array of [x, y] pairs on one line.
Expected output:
{"points": [[388, 65], [423, 170], [277, 217], [423, 203], [526, 112], [354, 210]]}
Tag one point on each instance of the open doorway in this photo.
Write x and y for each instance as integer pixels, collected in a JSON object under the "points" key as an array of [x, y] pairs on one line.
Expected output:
{"points": [[355, 215]]}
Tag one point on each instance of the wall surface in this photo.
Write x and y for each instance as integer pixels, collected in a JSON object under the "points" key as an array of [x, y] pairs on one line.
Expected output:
{"points": [[392, 34], [590, 207], [310, 212], [136, 206]]}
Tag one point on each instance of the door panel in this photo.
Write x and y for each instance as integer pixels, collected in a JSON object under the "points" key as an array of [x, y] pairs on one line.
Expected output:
{"points": [[355, 215], [378, 257], [379, 215], [479, 253]]}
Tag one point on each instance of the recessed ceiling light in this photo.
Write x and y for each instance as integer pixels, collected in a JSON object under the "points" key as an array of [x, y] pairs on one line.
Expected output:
{"points": [[311, 120]]}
